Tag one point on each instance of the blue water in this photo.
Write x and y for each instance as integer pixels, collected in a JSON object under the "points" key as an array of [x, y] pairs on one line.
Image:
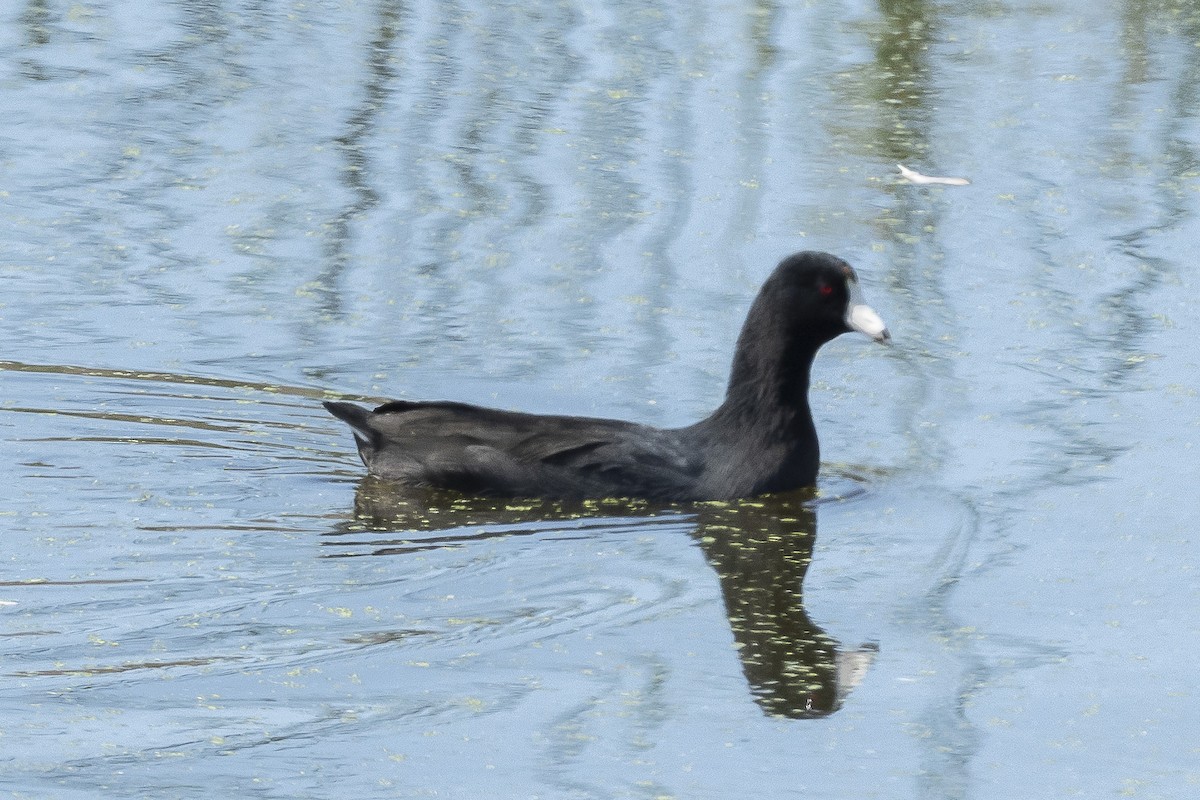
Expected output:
{"points": [[214, 215]]}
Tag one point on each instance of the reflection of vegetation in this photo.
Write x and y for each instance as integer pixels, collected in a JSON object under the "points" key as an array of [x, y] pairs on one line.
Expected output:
{"points": [[901, 52], [893, 88], [354, 144], [898, 82], [760, 550], [36, 20]]}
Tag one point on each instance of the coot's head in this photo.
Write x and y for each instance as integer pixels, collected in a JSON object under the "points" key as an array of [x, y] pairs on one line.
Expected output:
{"points": [[818, 294]]}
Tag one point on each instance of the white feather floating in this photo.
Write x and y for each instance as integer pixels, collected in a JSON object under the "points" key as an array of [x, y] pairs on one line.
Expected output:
{"points": [[912, 176]]}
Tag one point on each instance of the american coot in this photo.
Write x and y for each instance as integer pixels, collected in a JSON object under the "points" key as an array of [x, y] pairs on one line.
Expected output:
{"points": [[761, 439]]}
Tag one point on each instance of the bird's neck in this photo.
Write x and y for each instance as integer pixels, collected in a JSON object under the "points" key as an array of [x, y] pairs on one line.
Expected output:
{"points": [[768, 386]]}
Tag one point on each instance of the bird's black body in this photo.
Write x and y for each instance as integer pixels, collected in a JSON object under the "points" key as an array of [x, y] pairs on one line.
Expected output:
{"points": [[761, 439]]}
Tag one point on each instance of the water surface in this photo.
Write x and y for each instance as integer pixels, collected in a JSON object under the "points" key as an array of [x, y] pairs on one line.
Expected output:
{"points": [[214, 215]]}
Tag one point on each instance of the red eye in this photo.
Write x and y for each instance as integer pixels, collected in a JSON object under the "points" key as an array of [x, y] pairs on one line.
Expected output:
{"points": [[825, 290]]}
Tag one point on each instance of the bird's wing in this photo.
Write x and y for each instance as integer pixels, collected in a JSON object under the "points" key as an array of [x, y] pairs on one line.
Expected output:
{"points": [[475, 449]]}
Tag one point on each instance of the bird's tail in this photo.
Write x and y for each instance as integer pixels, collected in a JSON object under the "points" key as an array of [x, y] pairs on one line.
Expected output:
{"points": [[359, 420]]}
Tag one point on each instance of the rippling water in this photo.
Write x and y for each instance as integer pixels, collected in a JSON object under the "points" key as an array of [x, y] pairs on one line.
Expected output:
{"points": [[215, 214]]}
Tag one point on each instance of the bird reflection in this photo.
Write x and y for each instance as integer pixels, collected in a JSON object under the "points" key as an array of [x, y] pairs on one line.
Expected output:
{"points": [[760, 549]]}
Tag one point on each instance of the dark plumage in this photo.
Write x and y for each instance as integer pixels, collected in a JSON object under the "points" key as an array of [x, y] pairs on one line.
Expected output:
{"points": [[761, 439]]}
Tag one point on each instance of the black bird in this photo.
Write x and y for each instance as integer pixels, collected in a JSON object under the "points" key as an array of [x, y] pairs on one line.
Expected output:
{"points": [[760, 439]]}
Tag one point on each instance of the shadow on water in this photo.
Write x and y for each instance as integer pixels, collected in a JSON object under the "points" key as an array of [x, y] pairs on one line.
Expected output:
{"points": [[760, 550]]}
